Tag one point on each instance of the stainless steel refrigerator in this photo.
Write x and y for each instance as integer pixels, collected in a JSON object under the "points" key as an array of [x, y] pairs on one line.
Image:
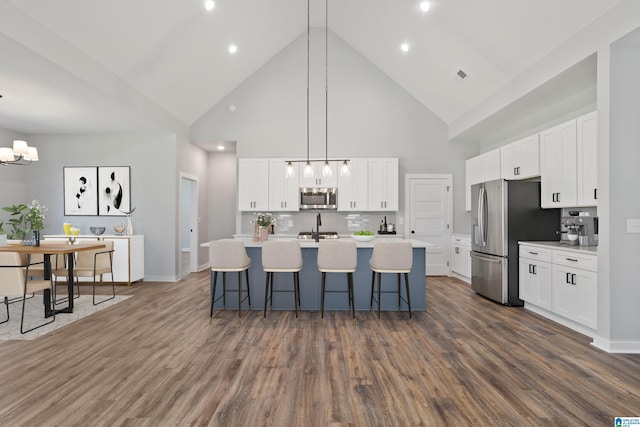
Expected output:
{"points": [[502, 214]]}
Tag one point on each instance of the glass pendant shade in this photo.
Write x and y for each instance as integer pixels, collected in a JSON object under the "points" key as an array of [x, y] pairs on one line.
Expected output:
{"points": [[308, 170], [289, 171], [326, 170], [344, 170]]}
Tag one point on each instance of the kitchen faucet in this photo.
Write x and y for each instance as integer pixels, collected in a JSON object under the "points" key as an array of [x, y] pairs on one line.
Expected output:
{"points": [[316, 234]]}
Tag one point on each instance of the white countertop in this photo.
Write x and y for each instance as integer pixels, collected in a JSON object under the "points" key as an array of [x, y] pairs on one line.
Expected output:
{"points": [[592, 250], [304, 243]]}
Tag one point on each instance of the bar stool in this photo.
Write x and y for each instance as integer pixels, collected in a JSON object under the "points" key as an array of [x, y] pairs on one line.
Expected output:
{"points": [[284, 256], [337, 257], [228, 255], [391, 257]]}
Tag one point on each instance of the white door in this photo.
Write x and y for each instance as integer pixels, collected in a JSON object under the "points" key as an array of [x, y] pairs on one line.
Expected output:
{"points": [[429, 217], [188, 224]]}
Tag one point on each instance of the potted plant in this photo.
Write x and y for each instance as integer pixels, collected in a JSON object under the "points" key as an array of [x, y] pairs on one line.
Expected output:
{"points": [[22, 219]]}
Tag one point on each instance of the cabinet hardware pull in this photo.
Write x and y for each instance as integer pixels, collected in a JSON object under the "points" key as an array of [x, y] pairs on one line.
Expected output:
{"points": [[530, 272], [535, 270], [457, 250], [571, 259], [533, 253], [595, 193], [573, 279], [567, 279]]}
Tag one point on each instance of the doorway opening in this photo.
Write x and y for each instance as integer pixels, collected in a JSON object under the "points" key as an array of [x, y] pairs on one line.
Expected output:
{"points": [[188, 234]]}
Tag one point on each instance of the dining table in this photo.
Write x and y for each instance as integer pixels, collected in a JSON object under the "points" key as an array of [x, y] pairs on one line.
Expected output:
{"points": [[47, 250]]}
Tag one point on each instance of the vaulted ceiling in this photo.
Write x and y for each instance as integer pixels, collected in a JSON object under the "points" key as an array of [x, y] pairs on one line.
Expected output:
{"points": [[85, 65]]}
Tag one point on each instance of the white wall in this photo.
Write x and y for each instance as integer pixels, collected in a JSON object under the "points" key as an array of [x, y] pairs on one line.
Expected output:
{"points": [[153, 187], [369, 116], [222, 203], [13, 189]]}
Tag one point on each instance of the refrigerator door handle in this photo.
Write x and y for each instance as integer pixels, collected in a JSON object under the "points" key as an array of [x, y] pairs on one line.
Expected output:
{"points": [[485, 216], [496, 260]]}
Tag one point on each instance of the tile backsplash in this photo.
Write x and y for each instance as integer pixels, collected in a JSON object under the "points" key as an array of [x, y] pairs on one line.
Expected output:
{"points": [[342, 222]]}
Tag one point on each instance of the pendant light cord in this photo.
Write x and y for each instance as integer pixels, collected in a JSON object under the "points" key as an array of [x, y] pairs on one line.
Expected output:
{"points": [[326, 82], [308, 28]]}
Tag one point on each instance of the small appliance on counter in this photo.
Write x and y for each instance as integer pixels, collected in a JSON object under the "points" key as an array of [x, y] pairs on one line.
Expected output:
{"points": [[386, 228], [581, 230]]}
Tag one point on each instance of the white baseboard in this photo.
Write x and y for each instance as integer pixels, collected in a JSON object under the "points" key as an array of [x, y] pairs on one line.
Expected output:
{"points": [[460, 277], [628, 347]]}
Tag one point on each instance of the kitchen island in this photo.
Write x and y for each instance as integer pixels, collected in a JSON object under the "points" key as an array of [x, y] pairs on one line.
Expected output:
{"points": [[310, 277]]}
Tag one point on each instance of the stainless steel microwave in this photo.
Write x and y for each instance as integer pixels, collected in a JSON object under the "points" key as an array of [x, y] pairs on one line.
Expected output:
{"points": [[318, 198]]}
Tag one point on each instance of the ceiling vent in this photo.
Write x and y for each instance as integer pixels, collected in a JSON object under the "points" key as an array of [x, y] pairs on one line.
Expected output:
{"points": [[461, 76]]}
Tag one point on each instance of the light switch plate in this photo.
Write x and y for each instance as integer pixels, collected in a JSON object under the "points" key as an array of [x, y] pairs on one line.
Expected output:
{"points": [[633, 225]]}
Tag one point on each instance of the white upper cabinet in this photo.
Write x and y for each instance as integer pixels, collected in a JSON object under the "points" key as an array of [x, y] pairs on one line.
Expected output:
{"points": [[482, 168], [253, 184], [521, 159], [383, 184], [587, 141], [317, 180], [558, 166], [283, 190], [352, 189]]}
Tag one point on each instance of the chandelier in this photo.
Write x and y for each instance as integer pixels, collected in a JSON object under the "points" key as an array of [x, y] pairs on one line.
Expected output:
{"points": [[21, 154], [326, 170]]}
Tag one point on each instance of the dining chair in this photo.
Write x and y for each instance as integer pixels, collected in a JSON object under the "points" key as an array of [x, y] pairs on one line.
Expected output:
{"points": [[391, 257], [93, 263], [15, 282], [226, 256]]}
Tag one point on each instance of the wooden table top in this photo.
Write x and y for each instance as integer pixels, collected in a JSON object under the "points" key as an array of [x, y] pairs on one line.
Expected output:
{"points": [[52, 248]]}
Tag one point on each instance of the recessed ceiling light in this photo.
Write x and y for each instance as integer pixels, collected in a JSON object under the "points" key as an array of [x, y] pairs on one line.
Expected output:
{"points": [[404, 47], [209, 5], [233, 48], [425, 6], [220, 147]]}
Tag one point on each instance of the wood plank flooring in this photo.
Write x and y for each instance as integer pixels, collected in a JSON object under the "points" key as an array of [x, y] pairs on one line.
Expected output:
{"points": [[157, 360]]}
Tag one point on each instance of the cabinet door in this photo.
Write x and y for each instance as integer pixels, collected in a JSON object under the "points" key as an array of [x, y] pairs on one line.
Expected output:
{"points": [[353, 189], [490, 165], [510, 156], [317, 180], [383, 184], [283, 190], [558, 166], [565, 292], [529, 157], [535, 283], [253, 184], [457, 259], [120, 260], [587, 151]]}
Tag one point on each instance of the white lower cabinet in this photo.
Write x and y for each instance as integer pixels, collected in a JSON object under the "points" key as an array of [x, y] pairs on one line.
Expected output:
{"points": [[535, 282], [461, 257], [563, 283]]}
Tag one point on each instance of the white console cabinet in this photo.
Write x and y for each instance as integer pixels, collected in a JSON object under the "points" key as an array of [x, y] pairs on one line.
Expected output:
{"points": [[128, 255]]}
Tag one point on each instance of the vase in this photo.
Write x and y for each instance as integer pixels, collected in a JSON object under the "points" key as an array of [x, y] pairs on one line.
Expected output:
{"points": [[129, 226], [35, 241], [263, 233]]}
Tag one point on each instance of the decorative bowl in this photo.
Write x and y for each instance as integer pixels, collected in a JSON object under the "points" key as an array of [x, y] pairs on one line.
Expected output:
{"points": [[75, 231], [97, 230], [119, 228], [360, 238]]}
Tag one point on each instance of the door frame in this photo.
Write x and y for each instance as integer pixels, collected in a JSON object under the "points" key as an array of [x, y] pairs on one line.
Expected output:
{"points": [[192, 221], [407, 207]]}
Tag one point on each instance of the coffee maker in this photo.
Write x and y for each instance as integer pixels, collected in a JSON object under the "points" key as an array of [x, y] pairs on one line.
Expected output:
{"points": [[581, 230]]}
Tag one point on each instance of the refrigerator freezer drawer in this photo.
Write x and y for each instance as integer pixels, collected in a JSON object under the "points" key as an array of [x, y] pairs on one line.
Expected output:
{"points": [[490, 276]]}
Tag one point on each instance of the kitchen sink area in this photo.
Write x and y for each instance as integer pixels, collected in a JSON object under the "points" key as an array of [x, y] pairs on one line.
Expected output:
{"points": [[308, 235]]}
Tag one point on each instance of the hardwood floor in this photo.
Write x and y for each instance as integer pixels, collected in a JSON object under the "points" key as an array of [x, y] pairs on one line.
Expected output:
{"points": [[156, 360]]}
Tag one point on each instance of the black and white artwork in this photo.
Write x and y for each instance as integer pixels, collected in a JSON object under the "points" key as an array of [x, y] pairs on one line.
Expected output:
{"points": [[80, 190], [114, 190]]}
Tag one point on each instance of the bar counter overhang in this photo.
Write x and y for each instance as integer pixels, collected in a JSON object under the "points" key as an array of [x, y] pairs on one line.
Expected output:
{"points": [[310, 280]]}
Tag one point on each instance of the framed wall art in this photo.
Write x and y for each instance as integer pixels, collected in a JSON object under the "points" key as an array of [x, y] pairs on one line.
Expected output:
{"points": [[114, 190], [80, 190]]}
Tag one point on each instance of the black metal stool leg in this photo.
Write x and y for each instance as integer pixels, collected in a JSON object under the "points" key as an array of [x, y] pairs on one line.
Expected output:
{"points": [[248, 288], [373, 280], [224, 289], [406, 282], [212, 288], [352, 299], [324, 276], [379, 285], [398, 291], [239, 293], [266, 295]]}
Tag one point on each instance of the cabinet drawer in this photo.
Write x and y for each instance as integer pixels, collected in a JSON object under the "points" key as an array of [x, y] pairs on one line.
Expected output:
{"points": [[535, 253], [576, 260]]}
